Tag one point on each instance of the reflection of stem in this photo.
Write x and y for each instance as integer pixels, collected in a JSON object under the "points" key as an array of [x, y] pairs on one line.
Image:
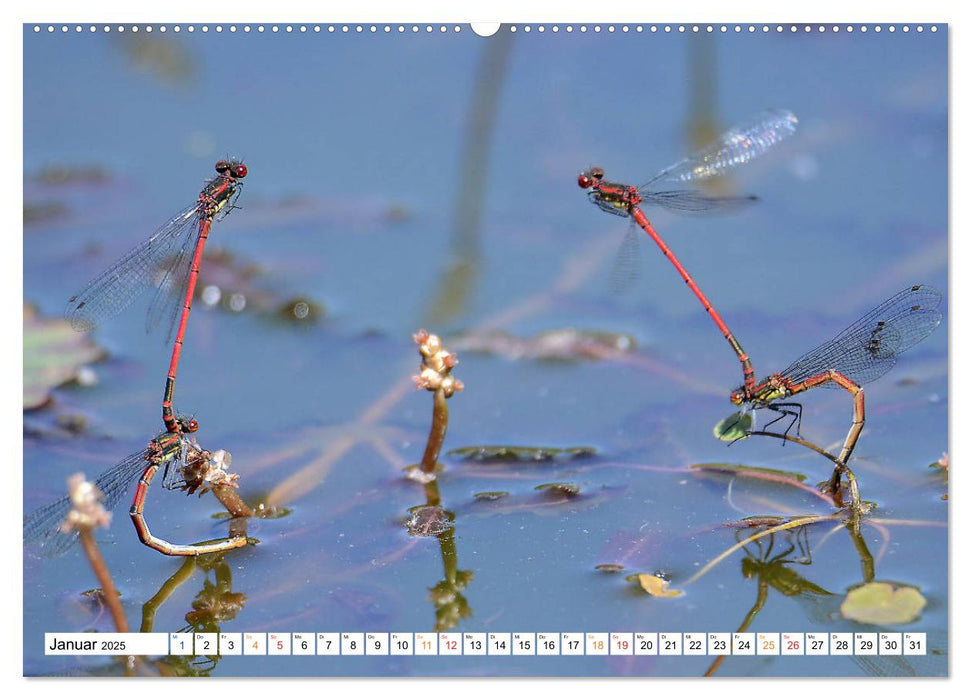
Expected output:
{"points": [[778, 528], [834, 481], [104, 578], [446, 596], [760, 599], [460, 278], [311, 475], [151, 606], [432, 495], [436, 436], [702, 118], [866, 559], [450, 559], [224, 576]]}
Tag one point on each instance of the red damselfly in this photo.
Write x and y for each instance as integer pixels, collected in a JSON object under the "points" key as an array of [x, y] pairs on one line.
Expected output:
{"points": [[736, 146], [865, 351], [178, 454], [169, 260]]}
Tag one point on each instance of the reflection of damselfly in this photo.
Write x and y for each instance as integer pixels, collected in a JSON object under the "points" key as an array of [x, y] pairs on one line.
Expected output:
{"points": [[168, 260], [862, 353], [736, 146], [179, 455]]}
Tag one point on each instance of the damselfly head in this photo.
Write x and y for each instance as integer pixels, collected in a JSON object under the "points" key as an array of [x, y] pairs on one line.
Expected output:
{"points": [[233, 167], [737, 397], [189, 425], [590, 178]]}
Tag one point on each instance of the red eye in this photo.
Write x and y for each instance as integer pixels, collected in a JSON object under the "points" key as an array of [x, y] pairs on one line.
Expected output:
{"points": [[222, 167], [240, 171], [584, 181], [192, 426]]}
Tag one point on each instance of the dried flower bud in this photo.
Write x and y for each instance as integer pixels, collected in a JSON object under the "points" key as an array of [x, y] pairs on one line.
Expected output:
{"points": [[87, 511], [437, 363]]}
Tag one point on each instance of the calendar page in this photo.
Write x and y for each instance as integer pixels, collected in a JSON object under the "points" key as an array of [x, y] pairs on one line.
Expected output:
{"points": [[526, 349]]}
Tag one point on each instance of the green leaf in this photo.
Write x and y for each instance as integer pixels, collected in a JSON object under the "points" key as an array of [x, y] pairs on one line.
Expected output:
{"points": [[882, 603], [490, 495], [745, 470], [733, 428], [514, 453], [53, 353], [560, 489]]}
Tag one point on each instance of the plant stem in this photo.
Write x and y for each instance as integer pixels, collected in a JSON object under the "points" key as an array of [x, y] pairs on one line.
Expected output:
{"points": [[436, 436], [231, 501], [104, 578], [841, 469]]}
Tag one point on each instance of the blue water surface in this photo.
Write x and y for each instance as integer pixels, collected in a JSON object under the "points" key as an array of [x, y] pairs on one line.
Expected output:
{"points": [[357, 146]]}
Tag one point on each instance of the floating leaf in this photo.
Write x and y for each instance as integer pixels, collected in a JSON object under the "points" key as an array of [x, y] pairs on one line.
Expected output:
{"points": [[759, 521], [550, 501], [53, 355], [609, 568], [560, 489], [428, 521], [512, 453], [745, 470], [58, 174], [733, 428], [235, 285], [560, 345], [47, 211], [491, 495], [882, 603], [656, 586]]}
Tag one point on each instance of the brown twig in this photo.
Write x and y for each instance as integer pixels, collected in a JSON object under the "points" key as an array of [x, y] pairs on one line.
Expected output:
{"points": [[229, 497], [841, 468], [86, 514], [108, 590], [436, 435]]}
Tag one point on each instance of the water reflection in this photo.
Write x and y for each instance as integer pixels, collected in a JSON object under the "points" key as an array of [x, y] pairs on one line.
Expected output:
{"points": [[213, 605]]}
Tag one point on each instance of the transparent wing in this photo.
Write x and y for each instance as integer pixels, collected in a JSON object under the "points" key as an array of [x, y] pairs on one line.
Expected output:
{"points": [[42, 527], [738, 145], [172, 285], [627, 263], [692, 201], [149, 264], [869, 348]]}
